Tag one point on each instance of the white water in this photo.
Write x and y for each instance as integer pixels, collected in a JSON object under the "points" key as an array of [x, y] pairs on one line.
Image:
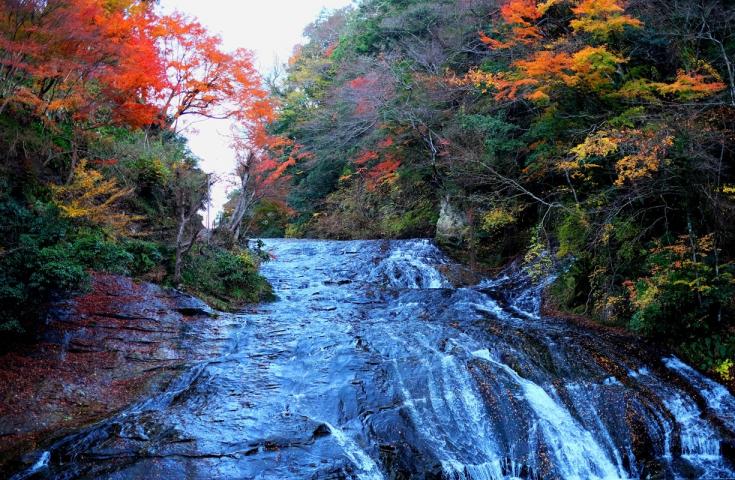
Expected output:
{"points": [[718, 398], [406, 267], [41, 464], [576, 451], [698, 439], [369, 470]]}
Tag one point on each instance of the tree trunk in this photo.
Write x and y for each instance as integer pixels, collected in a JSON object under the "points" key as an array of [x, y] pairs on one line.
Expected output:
{"points": [[245, 201], [180, 247]]}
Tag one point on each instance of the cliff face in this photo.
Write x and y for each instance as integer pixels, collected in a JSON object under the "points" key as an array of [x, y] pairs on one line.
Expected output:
{"points": [[100, 353]]}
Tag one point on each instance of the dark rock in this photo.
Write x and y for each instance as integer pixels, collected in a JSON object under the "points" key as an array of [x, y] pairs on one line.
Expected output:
{"points": [[103, 350]]}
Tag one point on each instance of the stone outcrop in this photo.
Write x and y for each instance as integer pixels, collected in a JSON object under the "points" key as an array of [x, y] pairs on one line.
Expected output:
{"points": [[452, 227], [101, 352]]}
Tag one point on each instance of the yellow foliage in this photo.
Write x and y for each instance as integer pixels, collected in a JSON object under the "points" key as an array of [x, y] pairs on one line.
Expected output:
{"points": [[640, 88], [594, 67], [602, 18], [600, 144], [607, 231], [651, 150], [725, 369], [497, 219], [643, 152], [543, 7], [648, 297], [93, 199]]}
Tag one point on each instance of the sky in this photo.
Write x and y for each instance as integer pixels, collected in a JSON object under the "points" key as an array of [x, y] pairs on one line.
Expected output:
{"points": [[270, 28]]}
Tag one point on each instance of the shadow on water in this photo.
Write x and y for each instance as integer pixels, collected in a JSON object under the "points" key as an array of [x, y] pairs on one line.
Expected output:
{"points": [[371, 365]]}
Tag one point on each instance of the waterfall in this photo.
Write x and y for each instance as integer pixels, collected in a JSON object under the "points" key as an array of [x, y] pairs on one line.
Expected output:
{"points": [[409, 377]]}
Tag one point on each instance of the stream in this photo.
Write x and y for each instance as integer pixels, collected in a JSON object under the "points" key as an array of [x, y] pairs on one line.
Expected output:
{"points": [[372, 365]]}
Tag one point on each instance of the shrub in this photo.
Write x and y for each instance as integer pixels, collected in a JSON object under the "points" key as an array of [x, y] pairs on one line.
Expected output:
{"points": [[95, 252], [144, 256], [685, 293], [713, 353], [294, 230], [226, 279], [36, 262], [269, 220], [43, 257], [416, 222]]}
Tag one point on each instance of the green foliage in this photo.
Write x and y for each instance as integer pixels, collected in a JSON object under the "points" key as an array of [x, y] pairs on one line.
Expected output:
{"points": [[43, 255], [144, 256], [683, 297], [294, 230], [32, 266], [572, 233], [412, 223], [269, 220], [537, 261], [313, 185], [498, 135], [714, 353], [226, 279]]}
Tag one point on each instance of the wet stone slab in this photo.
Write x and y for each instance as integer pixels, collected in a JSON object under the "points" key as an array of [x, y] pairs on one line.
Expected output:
{"points": [[102, 352]]}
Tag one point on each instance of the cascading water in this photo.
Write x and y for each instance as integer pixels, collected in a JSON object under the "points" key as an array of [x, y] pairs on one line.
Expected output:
{"points": [[371, 365]]}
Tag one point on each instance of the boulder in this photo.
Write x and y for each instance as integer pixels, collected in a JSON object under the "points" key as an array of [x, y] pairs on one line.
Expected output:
{"points": [[452, 228]]}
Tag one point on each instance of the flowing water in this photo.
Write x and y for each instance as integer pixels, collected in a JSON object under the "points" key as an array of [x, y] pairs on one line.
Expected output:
{"points": [[371, 365]]}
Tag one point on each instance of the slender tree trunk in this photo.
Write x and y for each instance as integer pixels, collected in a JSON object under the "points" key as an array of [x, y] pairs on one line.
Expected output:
{"points": [[180, 247], [74, 160], [244, 202]]}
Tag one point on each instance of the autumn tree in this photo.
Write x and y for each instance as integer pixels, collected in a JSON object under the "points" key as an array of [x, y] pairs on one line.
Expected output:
{"points": [[79, 59], [93, 199], [201, 79]]}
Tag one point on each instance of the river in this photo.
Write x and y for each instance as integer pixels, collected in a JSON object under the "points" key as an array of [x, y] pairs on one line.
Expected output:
{"points": [[372, 365]]}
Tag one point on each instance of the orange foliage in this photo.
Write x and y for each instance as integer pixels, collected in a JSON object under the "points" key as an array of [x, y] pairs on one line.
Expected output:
{"points": [[79, 58], [534, 78], [378, 166], [330, 49], [101, 62], [522, 15], [366, 157], [597, 17], [201, 79], [384, 172], [545, 64], [694, 85], [361, 83]]}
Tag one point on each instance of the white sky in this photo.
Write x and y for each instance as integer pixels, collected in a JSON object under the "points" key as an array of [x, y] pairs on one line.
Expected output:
{"points": [[270, 28]]}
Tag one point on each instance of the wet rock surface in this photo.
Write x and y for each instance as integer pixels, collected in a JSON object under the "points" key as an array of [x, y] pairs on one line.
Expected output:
{"points": [[373, 364], [101, 352]]}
